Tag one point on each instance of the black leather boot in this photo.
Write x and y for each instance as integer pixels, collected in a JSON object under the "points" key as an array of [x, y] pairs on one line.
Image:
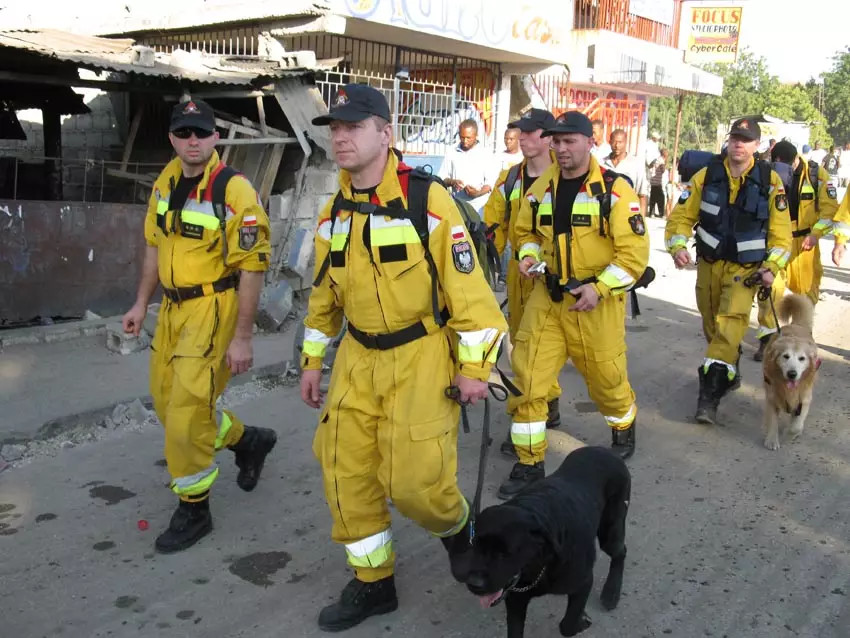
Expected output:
{"points": [[459, 548], [759, 355], [712, 386], [358, 601], [189, 524], [554, 418], [251, 451], [521, 477], [507, 448], [623, 441]]}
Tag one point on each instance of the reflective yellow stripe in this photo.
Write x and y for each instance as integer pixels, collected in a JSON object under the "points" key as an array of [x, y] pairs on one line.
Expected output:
{"points": [[394, 235], [544, 209], [529, 250], [223, 428], [807, 188], [195, 484], [373, 551], [338, 241], [314, 348], [161, 207], [460, 524], [199, 219], [472, 354], [779, 257], [676, 242], [515, 194], [525, 434], [586, 208]]}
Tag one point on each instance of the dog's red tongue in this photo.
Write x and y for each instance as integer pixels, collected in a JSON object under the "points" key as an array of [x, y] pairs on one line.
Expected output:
{"points": [[792, 385], [489, 600]]}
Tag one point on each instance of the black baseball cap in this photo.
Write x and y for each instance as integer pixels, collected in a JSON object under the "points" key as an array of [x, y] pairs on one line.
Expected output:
{"points": [[747, 128], [534, 120], [783, 151], [571, 122], [193, 114], [353, 103]]}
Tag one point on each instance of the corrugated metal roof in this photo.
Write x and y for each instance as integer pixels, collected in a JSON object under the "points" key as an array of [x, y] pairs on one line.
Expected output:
{"points": [[123, 55]]}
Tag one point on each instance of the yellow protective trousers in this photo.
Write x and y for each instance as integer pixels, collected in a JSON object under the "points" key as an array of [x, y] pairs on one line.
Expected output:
{"points": [[548, 336], [802, 276], [389, 434], [188, 373], [724, 303], [519, 290]]}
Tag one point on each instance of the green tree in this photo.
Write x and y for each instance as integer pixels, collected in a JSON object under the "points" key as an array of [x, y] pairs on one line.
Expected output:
{"points": [[748, 89], [836, 97]]}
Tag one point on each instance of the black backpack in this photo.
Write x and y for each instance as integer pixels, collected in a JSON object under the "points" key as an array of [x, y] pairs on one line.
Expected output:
{"points": [[419, 183]]}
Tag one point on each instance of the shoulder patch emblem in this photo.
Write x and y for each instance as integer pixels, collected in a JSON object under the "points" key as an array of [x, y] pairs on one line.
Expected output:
{"points": [[684, 196], [831, 191], [637, 224], [462, 257], [248, 237], [781, 202]]}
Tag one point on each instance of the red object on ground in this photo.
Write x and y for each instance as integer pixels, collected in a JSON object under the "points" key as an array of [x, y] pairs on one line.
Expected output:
{"points": [[143, 524]]}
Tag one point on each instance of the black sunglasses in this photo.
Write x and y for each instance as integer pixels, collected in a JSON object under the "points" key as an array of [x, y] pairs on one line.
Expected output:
{"points": [[186, 133]]}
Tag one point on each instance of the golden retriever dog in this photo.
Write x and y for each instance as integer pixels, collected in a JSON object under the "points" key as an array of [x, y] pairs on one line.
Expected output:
{"points": [[790, 367]]}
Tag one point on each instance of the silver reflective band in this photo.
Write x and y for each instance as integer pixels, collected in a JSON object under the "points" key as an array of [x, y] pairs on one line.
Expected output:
{"points": [[752, 244], [707, 237], [711, 209]]}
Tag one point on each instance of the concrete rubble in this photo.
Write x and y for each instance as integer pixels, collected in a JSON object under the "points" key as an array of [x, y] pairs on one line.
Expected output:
{"points": [[122, 343]]}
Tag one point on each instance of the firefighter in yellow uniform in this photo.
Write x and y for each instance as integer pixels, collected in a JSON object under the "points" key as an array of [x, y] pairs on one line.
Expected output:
{"points": [[839, 227], [740, 211], [594, 252], [501, 210], [812, 202], [207, 236], [393, 257]]}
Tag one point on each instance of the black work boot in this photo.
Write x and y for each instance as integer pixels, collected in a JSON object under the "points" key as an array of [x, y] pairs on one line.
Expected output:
{"points": [[508, 449], [251, 451], [459, 548], [189, 524], [521, 477], [623, 441], [712, 386], [554, 418], [358, 601], [759, 355]]}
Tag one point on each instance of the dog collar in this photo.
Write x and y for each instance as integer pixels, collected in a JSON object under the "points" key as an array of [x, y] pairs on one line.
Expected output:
{"points": [[520, 590]]}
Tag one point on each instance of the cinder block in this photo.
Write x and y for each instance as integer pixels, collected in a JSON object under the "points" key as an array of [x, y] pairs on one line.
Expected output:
{"points": [[118, 341], [151, 318], [84, 122]]}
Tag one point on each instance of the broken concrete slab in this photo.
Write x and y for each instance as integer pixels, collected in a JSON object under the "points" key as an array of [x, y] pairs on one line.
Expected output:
{"points": [[56, 332], [136, 411], [275, 306], [119, 341], [13, 452]]}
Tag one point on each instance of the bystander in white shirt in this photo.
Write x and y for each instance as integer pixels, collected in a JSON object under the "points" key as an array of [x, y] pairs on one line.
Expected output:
{"points": [[475, 167], [631, 167]]}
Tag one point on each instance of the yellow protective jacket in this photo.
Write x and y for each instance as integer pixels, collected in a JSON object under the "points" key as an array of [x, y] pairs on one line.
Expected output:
{"points": [[617, 256], [818, 221], [685, 216], [496, 207], [833, 219], [840, 226], [385, 286], [192, 249]]}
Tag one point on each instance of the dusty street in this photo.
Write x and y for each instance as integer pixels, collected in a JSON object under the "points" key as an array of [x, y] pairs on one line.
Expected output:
{"points": [[726, 538]]}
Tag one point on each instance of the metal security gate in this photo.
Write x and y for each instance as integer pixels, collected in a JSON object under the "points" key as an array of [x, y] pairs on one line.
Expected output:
{"points": [[429, 94]]}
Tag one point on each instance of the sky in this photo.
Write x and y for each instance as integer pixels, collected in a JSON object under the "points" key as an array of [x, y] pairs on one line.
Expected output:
{"points": [[797, 37]]}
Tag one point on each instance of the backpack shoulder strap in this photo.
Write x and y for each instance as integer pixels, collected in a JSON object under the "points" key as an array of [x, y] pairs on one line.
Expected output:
{"points": [[335, 208], [814, 178], [715, 171], [219, 193], [764, 171], [510, 181], [418, 184]]}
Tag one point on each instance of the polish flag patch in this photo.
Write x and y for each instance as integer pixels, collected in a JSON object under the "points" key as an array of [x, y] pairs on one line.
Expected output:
{"points": [[458, 232], [634, 207], [249, 220]]}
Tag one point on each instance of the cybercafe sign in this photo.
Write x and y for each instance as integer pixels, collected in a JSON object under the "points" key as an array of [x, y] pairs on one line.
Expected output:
{"points": [[527, 27]]}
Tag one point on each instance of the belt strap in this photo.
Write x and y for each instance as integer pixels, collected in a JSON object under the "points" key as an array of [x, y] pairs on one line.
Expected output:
{"points": [[801, 233], [201, 290], [392, 340]]}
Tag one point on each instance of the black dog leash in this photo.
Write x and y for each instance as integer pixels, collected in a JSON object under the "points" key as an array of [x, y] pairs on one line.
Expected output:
{"points": [[764, 294], [499, 393]]}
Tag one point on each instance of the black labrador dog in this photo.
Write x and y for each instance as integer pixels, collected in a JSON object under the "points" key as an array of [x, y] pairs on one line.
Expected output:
{"points": [[543, 541]]}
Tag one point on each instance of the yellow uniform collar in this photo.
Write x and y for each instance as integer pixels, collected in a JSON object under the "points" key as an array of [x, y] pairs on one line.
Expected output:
{"points": [[389, 187], [174, 169]]}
